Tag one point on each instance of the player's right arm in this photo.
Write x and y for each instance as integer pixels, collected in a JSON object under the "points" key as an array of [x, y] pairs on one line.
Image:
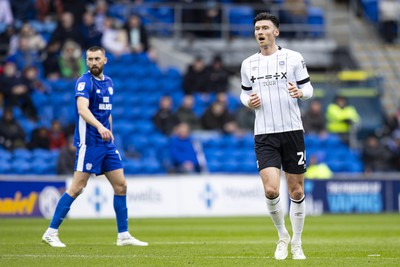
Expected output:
{"points": [[84, 111], [247, 96]]}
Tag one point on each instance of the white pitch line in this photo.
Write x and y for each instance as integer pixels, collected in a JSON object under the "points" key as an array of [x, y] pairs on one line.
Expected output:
{"points": [[13, 256]]}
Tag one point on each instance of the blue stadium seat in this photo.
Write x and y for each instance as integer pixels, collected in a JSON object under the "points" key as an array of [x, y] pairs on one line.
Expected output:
{"points": [[42, 154], [214, 166], [43, 167], [21, 166], [5, 167], [371, 10], [22, 154], [152, 166], [317, 21], [144, 127], [5, 155], [241, 16], [133, 166]]}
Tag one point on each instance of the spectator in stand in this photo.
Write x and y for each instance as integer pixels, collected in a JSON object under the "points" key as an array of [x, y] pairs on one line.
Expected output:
{"points": [[195, 78], [165, 119], [217, 117], [317, 169], [12, 135], [115, 38], [137, 34], [391, 122], [389, 11], [217, 76], [48, 9], [67, 29], [76, 7], [92, 35], [293, 12], [6, 15], [35, 41], [56, 136], [72, 64], [66, 158], [314, 120], [16, 93], [30, 77], [376, 157], [245, 118], [51, 66], [23, 10], [100, 14], [182, 152], [24, 56], [5, 42], [186, 114], [341, 118], [40, 138], [393, 145]]}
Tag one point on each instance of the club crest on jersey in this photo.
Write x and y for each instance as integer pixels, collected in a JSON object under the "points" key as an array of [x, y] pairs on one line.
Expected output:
{"points": [[89, 166], [110, 90], [81, 86], [254, 68]]}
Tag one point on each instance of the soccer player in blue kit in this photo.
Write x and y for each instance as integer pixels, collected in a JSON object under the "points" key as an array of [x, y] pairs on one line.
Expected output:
{"points": [[96, 152]]}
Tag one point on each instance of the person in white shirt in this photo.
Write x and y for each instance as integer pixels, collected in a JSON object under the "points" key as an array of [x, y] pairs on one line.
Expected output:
{"points": [[272, 81]]}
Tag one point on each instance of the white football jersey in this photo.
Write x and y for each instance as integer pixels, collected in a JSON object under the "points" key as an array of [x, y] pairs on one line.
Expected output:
{"points": [[268, 77]]}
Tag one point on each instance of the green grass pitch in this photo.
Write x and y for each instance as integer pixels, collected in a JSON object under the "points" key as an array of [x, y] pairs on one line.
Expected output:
{"points": [[328, 240]]}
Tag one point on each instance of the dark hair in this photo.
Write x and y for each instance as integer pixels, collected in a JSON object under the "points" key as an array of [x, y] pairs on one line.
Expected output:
{"points": [[96, 48], [266, 16]]}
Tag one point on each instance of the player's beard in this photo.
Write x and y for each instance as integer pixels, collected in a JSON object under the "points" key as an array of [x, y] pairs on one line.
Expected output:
{"points": [[96, 71]]}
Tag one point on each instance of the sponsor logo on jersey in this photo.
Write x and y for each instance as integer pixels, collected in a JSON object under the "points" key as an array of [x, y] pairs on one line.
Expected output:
{"points": [[103, 106], [81, 86], [111, 90]]}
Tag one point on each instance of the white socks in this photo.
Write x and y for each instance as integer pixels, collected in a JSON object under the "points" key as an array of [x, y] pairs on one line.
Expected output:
{"points": [[124, 235], [278, 217], [51, 231], [297, 216]]}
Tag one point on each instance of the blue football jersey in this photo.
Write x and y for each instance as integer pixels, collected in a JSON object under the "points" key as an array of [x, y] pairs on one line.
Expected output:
{"points": [[100, 95]]}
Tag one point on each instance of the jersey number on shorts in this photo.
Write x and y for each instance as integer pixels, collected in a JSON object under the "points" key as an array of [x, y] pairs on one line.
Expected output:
{"points": [[301, 160]]}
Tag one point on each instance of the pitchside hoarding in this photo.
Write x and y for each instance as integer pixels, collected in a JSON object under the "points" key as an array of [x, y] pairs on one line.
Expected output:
{"points": [[190, 196], [183, 196], [29, 198]]}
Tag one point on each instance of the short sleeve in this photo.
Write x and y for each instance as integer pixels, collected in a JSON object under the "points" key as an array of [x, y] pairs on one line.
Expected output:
{"points": [[83, 88], [246, 83], [301, 72]]}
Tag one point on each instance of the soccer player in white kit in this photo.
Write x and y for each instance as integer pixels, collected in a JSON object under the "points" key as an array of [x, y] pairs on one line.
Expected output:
{"points": [[272, 82]]}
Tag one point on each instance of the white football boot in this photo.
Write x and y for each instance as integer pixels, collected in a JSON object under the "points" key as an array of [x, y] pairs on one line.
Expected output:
{"points": [[281, 251], [297, 252], [53, 240], [131, 241]]}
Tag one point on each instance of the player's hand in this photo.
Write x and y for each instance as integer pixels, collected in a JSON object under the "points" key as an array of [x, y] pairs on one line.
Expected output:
{"points": [[106, 134], [294, 92], [254, 101]]}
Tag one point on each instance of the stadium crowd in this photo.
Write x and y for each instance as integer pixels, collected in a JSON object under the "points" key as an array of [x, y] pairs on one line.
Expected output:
{"points": [[43, 42]]}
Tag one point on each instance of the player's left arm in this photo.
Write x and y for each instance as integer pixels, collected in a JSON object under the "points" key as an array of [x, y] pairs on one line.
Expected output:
{"points": [[303, 88]]}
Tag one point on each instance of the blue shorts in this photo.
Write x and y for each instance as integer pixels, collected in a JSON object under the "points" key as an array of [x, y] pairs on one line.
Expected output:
{"points": [[97, 159]]}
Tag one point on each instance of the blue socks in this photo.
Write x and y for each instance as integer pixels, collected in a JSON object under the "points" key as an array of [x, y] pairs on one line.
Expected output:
{"points": [[66, 200], [61, 211], [121, 212]]}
